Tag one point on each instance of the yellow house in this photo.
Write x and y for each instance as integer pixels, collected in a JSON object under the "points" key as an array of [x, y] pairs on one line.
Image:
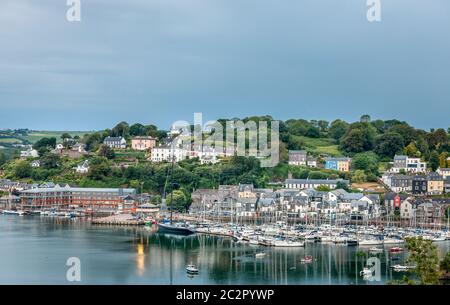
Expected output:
{"points": [[435, 184]]}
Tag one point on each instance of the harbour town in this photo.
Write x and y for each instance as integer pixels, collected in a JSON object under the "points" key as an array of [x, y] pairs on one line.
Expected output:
{"points": [[325, 204]]}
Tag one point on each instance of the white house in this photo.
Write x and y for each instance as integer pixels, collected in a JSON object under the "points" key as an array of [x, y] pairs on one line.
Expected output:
{"points": [[59, 146], [36, 163], [82, 168], [167, 152], [444, 172], [115, 142], [411, 165], [407, 209], [29, 153]]}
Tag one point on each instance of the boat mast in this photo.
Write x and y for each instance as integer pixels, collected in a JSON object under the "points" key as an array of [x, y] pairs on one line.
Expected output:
{"points": [[171, 184]]}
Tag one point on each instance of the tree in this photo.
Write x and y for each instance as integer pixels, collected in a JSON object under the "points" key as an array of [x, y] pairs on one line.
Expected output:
{"points": [[50, 161], [388, 144], [423, 254], [106, 151], [138, 130], [98, 168], [48, 143], [156, 199], [408, 133], [365, 118], [66, 136], [337, 129], [367, 161], [22, 169], [179, 201], [313, 132], [437, 138], [323, 188], [434, 160], [2, 158], [323, 125], [121, 130], [411, 150], [358, 138], [445, 263], [359, 176], [442, 159]]}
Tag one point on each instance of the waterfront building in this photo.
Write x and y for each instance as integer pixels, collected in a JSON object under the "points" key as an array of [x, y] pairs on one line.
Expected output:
{"points": [[338, 164], [96, 199], [143, 143], [115, 142]]}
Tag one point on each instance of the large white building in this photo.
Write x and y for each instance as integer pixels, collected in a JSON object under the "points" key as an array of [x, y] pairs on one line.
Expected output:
{"points": [[167, 152], [407, 164]]}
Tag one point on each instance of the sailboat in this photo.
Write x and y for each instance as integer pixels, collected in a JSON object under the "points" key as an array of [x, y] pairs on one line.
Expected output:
{"points": [[172, 227]]}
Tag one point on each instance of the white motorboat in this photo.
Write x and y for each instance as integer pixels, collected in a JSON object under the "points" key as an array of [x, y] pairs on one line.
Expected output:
{"points": [[402, 268], [287, 243], [260, 255], [366, 272], [370, 242], [393, 241], [376, 250], [438, 239], [191, 269]]}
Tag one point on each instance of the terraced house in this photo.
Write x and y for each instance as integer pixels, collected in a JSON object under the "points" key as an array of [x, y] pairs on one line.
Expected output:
{"points": [[339, 164], [435, 184]]}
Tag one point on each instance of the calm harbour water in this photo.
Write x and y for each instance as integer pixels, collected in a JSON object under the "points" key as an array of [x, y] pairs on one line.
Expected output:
{"points": [[34, 250]]}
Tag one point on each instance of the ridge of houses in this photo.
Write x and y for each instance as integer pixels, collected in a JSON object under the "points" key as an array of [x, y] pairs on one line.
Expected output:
{"points": [[433, 183], [244, 200]]}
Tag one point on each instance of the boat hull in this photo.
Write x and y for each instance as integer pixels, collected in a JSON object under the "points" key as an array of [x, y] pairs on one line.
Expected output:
{"points": [[167, 228]]}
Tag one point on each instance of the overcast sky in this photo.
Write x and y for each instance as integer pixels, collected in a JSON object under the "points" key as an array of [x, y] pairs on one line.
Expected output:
{"points": [[158, 61]]}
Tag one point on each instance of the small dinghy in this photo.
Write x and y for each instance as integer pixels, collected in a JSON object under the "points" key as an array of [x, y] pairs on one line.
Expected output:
{"points": [[308, 259]]}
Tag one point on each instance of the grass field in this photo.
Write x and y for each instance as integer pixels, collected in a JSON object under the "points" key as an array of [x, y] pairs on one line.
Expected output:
{"points": [[33, 137], [319, 145], [10, 140]]}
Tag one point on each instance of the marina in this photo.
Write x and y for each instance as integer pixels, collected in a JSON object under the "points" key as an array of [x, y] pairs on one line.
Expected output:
{"points": [[141, 255]]}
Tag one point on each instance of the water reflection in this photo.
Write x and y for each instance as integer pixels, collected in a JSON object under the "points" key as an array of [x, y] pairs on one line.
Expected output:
{"points": [[35, 249]]}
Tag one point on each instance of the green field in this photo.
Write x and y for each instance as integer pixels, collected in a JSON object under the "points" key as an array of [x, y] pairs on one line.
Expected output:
{"points": [[35, 136], [319, 145], [10, 140]]}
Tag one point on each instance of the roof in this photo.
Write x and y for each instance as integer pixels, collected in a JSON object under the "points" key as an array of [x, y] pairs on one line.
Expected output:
{"points": [[79, 189], [400, 157], [399, 177], [297, 152], [345, 159], [113, 139], [143, 138], [315, 181]]}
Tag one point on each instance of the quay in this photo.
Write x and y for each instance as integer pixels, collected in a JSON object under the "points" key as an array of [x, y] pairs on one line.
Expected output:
{"points": [[118, 220]]}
